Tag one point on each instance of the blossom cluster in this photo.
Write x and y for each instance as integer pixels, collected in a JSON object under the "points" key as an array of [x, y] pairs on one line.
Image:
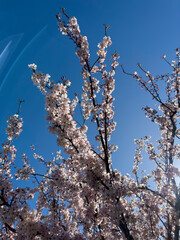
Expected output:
{"points": [[72, 30], [14, 127], [80, 196]]}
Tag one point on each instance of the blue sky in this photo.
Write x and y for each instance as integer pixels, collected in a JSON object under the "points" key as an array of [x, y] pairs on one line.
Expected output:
{"points": [[141, 31]]}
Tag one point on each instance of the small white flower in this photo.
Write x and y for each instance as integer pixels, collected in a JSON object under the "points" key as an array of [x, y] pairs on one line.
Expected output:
{"points": [[147, 73], [32, 66], [173, 63], [115, 148]]}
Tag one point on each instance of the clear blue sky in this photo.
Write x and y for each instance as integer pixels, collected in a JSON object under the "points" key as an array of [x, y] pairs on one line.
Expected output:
{"points": [[141, 31]]}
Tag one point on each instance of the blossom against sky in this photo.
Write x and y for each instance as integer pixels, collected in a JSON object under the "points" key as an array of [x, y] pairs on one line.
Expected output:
{"points": [[141, 31]]}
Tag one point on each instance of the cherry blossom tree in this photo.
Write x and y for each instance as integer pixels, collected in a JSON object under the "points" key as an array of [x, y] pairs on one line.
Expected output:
{"points": [[81, 196]]}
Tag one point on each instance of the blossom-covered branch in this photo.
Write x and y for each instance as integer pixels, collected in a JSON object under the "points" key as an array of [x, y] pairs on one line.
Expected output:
{"points": [[79, 195]]}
